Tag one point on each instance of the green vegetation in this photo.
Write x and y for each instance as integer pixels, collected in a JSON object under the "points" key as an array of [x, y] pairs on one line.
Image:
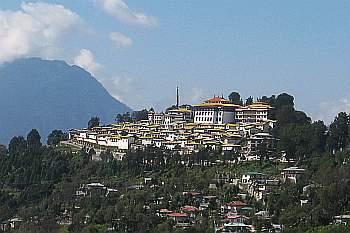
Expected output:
{"points": [[46, 185], [93, 122]]}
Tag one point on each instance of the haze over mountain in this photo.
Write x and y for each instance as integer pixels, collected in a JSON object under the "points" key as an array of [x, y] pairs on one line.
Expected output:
{"points": [[47, 95]]}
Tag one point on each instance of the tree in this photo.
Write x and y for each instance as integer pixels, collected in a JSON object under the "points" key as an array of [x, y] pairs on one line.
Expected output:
{"points": [[94, 122], [269, 100], [338, 135], [55, 137], [264, 99], [285, 115], [106, 156], [249, 101], [140, 115], [33, 139], [3, 151], [17, 145], [295, 140], [123, 118], [235, 98], [284, 99], [262, 151], [318, 136]]}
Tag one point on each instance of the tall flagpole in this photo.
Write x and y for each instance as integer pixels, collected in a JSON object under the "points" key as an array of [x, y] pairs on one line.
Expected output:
{"points": [[177, 97]]}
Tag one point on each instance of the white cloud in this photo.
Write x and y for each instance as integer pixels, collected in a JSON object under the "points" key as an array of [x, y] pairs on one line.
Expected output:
{"points": [[34, 30], [330, 109], [86, 60], [120, 10], [120, 87], [120, 39], [196, 95]]}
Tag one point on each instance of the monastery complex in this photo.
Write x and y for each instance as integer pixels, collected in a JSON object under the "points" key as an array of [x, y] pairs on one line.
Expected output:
{"points": [[215, 124]]}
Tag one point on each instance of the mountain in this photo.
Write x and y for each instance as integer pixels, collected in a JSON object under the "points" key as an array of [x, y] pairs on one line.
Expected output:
{"points": [[47, 95]]}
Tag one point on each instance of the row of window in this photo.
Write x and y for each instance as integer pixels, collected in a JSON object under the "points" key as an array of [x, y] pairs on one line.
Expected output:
{"points": [[210, 119], [251, 112], [205, 113], [243, 117]]}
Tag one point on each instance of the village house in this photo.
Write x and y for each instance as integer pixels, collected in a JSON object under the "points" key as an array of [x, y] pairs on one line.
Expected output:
{"points": [[180, 219], [237, 219], [192, 211], [11, 224], [249, 177], [342, 219], [162, 213], [232, 207], [292, 174]]}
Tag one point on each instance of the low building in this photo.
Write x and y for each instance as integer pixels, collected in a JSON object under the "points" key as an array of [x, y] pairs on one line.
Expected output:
{"points": [[11, 224], [249, 177], [342, 219], [232, 207], [156, 118], [192, 211], [234, 227], [180, 219], [237, 219], [162, 213], [292, 174]]}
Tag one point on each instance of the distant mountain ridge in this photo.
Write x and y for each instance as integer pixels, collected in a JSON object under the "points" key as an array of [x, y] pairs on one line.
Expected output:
{"points": [[50, 94]]}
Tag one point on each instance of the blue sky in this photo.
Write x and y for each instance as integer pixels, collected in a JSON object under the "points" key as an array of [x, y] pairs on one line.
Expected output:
{"points": [[209, 47]]}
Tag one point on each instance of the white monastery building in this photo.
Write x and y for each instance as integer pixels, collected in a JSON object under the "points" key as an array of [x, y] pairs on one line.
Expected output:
{"points": [[217, 110]]}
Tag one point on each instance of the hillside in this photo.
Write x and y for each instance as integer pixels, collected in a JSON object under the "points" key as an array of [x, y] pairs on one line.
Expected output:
{"points": [[46, 95]]}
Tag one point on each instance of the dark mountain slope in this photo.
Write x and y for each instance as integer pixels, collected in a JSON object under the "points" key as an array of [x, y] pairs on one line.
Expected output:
{"points": [[46, 95]]}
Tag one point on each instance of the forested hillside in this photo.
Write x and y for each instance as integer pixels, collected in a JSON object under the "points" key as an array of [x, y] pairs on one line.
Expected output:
{"points": [[43, 185]]}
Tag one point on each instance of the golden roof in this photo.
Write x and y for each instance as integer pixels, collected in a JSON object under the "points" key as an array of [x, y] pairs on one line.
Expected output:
{"points": [[181, 110], [217, 105], [217, 99]]}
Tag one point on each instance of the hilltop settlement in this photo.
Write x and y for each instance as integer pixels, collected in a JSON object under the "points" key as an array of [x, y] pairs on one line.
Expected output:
{"points": [[223, 165], [217, 123]]}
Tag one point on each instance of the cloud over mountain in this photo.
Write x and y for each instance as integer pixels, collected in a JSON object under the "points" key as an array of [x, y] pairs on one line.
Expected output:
{"points": [[35, 30], [86, 60]]}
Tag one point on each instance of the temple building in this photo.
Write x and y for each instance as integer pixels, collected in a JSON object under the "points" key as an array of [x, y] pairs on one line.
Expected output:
{"points": [[177, 115], [216, 110], [254, 113]]}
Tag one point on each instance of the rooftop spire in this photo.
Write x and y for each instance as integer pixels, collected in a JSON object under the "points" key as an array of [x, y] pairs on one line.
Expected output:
{"points": [[177, 97]]}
